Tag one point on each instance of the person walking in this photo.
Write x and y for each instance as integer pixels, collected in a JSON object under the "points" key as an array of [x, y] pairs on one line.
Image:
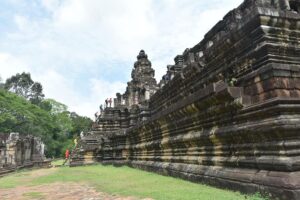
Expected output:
{"points": [[67, 155], [110, 101], [106, 102], [75, 142]]}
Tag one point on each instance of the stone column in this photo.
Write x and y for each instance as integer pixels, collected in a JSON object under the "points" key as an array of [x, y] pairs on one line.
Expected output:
{"points": [[285, 5], [38, 150]]}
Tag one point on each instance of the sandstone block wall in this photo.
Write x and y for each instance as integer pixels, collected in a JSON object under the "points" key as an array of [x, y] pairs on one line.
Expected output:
{"points": [[19, 152], [228, 113]]}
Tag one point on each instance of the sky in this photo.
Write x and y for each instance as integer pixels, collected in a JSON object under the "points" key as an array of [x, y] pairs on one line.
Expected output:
{"points": [[82, 51]]}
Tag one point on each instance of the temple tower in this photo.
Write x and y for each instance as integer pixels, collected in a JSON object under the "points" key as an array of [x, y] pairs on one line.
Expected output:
{"points": [[143, 84]]}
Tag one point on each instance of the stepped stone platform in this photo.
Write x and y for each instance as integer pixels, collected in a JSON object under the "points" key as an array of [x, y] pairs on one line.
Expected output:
{"points": [[227, 113]]}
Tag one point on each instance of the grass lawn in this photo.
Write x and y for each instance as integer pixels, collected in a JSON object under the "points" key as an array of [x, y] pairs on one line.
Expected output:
{"points": [[57, 162], [125, 181]]}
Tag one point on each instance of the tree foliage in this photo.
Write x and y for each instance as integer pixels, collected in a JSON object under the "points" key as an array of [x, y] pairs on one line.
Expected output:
{"points": [[1, 83], [79, 124], [56, 107], [23, 109], [19, 115], [23, 85], [56, 127]]}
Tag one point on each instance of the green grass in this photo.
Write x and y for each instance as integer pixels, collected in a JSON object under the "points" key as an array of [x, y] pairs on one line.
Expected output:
{"points": [[14, 179], [57, 162], [125, 181], [32, 195]]}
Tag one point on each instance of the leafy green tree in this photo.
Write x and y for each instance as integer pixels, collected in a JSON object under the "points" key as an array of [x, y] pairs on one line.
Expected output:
{"points": [[61, 116], [23, 85], [45, 105], [56, 107], [1, 83], [19, 115], [69, 125], [63, 126], [79, 124], [50, 120]]}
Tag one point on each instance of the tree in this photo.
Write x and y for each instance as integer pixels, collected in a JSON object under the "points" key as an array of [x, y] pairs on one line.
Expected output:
{"points": [[1, 83], [49, 120], [79, 124], [45, 105], [23, 85], [56, 107], [19, 115]]}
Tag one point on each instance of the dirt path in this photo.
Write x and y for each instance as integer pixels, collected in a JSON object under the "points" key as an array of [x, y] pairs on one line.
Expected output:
{"points": [[55, 191]]}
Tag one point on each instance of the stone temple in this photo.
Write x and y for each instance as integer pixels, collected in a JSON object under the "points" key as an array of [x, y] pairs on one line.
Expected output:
{"points": [[19, 151], [227, 113]]}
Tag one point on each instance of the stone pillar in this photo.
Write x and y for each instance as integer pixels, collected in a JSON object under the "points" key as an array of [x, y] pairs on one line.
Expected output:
{"points": [[136, 97], [11, 153], [13, 149], [147, 95], [38, 150], [134, 114], [285, 4], [2, 154]]}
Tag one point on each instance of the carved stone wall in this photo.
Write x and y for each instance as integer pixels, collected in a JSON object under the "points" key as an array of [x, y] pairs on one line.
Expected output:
{"points": [[20, 151], [129, 109], [228, 111]]}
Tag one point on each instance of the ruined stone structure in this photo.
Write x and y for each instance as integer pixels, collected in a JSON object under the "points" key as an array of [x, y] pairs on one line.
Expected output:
{"points": [[129, 109], [20, 151], [227, 113]]}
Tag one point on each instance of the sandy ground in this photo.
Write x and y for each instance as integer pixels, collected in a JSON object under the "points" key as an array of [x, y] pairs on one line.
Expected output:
{"points": [[56, 191]]}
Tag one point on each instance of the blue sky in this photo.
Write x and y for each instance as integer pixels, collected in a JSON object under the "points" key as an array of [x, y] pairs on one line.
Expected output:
{"points": [[82, 51]]}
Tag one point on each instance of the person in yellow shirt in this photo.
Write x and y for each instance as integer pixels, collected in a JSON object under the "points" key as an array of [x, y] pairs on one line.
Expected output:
{"points": [[75, 142]]}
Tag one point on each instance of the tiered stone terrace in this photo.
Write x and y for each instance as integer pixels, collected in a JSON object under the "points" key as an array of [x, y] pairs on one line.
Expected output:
{"points": [[227, 113]]}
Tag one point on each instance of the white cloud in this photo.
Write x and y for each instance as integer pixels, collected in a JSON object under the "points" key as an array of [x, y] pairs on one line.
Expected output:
{"points": [[64, 90], [21, 22], [101, 90], [10, 65], [86, 38], [57, 86], [51, 5]]}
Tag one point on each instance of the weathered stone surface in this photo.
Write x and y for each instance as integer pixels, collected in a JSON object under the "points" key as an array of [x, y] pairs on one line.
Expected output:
{"points": [[129, 109], [20, 151], [227, 112]]}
